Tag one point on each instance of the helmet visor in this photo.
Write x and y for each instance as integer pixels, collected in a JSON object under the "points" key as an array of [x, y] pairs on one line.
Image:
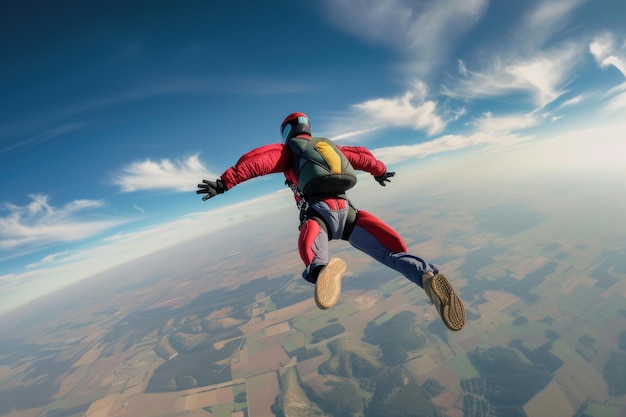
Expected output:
{"points": [[296, 122], [285, 132]]}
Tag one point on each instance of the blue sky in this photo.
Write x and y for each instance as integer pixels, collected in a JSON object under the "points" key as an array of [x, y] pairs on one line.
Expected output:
{"points": [[111, 112]]}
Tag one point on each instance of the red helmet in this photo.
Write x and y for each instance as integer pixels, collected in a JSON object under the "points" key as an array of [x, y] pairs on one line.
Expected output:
{"points": [[294, 125]]}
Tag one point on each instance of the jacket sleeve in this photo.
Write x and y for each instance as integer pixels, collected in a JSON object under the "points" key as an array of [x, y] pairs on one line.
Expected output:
{"points": [[362, 159], [264, 160]]}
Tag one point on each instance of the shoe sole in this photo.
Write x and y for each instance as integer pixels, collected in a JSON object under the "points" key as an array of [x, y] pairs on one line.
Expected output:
{"points": [[328, 285], [452, 309]]}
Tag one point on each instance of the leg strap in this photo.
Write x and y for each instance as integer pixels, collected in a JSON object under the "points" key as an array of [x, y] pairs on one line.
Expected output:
{"points": [[312, 215], [350, 222]]}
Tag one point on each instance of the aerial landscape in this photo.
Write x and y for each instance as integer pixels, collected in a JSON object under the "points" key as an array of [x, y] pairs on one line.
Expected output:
{"points": [[181, 334]]}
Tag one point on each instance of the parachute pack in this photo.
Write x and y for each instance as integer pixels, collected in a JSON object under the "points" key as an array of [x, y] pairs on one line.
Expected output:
{"points": [[321, 167]]}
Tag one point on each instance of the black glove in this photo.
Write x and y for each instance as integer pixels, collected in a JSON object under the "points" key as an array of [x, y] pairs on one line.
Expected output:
{"points": [[384, 178], [211, 188]]}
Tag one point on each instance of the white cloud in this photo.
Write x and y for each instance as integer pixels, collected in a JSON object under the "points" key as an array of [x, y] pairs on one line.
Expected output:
{"points": [[427, 32], [462, 67], [447, 143], [355, 133], [164, 174], [424, 31], [490, 132], [602, 145], [574, 101], [522, 61], [542, 75], [617, 103], [599, 146], [47, 259], [40, 223], [504, 124], [139, 209], [607, 53], [547, 19], [412, 110]]}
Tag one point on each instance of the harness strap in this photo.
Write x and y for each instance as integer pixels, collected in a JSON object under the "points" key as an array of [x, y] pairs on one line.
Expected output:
{"points": [[350, 221]]}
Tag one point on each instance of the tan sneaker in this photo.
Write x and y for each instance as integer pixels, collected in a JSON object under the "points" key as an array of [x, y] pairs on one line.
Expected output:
{"points": [[328, 284], [446, 300]]}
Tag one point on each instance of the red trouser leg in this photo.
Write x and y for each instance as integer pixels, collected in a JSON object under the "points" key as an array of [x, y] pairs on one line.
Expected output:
{"points": [[313, 246], [383, 233]]}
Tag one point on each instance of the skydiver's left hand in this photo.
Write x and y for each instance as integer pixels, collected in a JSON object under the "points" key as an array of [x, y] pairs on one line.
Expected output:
{"points": [[211, 188], [382, 179]]}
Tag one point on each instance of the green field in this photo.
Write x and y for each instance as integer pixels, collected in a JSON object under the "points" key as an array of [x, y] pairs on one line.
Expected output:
{"points": [[463, 367], [582, 300], [599, 410], [293, 341], [223, 409], [393, 285], [237, 390]]}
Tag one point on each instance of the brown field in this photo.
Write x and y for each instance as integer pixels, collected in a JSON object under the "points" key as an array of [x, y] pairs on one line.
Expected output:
{"points": [[89, 357], [262, 390], [318, 382], [71, 380], [471, 343], [289, 312], [33, 412], [147, 405], [205, 398], [445, 401], [266, 354], [239, 363], [550, 402], [421, 365], [257, 324], [277, 329], [499, 300], [101, 407], [445, 375], [579, 380], [310, 366], [357, 322]]}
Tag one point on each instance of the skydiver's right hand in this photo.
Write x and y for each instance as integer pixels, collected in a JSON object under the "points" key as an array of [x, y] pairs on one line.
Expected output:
{"points": [[211, 188]]}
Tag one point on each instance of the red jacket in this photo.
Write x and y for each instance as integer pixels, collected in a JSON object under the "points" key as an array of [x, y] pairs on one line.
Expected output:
{"points": [[274, 158]]}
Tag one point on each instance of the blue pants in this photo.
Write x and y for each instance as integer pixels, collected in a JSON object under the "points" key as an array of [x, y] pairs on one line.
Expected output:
{"points": [[369, 234]]}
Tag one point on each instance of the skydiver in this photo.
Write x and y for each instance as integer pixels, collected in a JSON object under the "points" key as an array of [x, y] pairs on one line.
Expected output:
{"points": [[319, 173]]}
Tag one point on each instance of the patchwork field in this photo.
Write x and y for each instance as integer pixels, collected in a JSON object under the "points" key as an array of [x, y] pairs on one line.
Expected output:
{"points": [[231, 338]]}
